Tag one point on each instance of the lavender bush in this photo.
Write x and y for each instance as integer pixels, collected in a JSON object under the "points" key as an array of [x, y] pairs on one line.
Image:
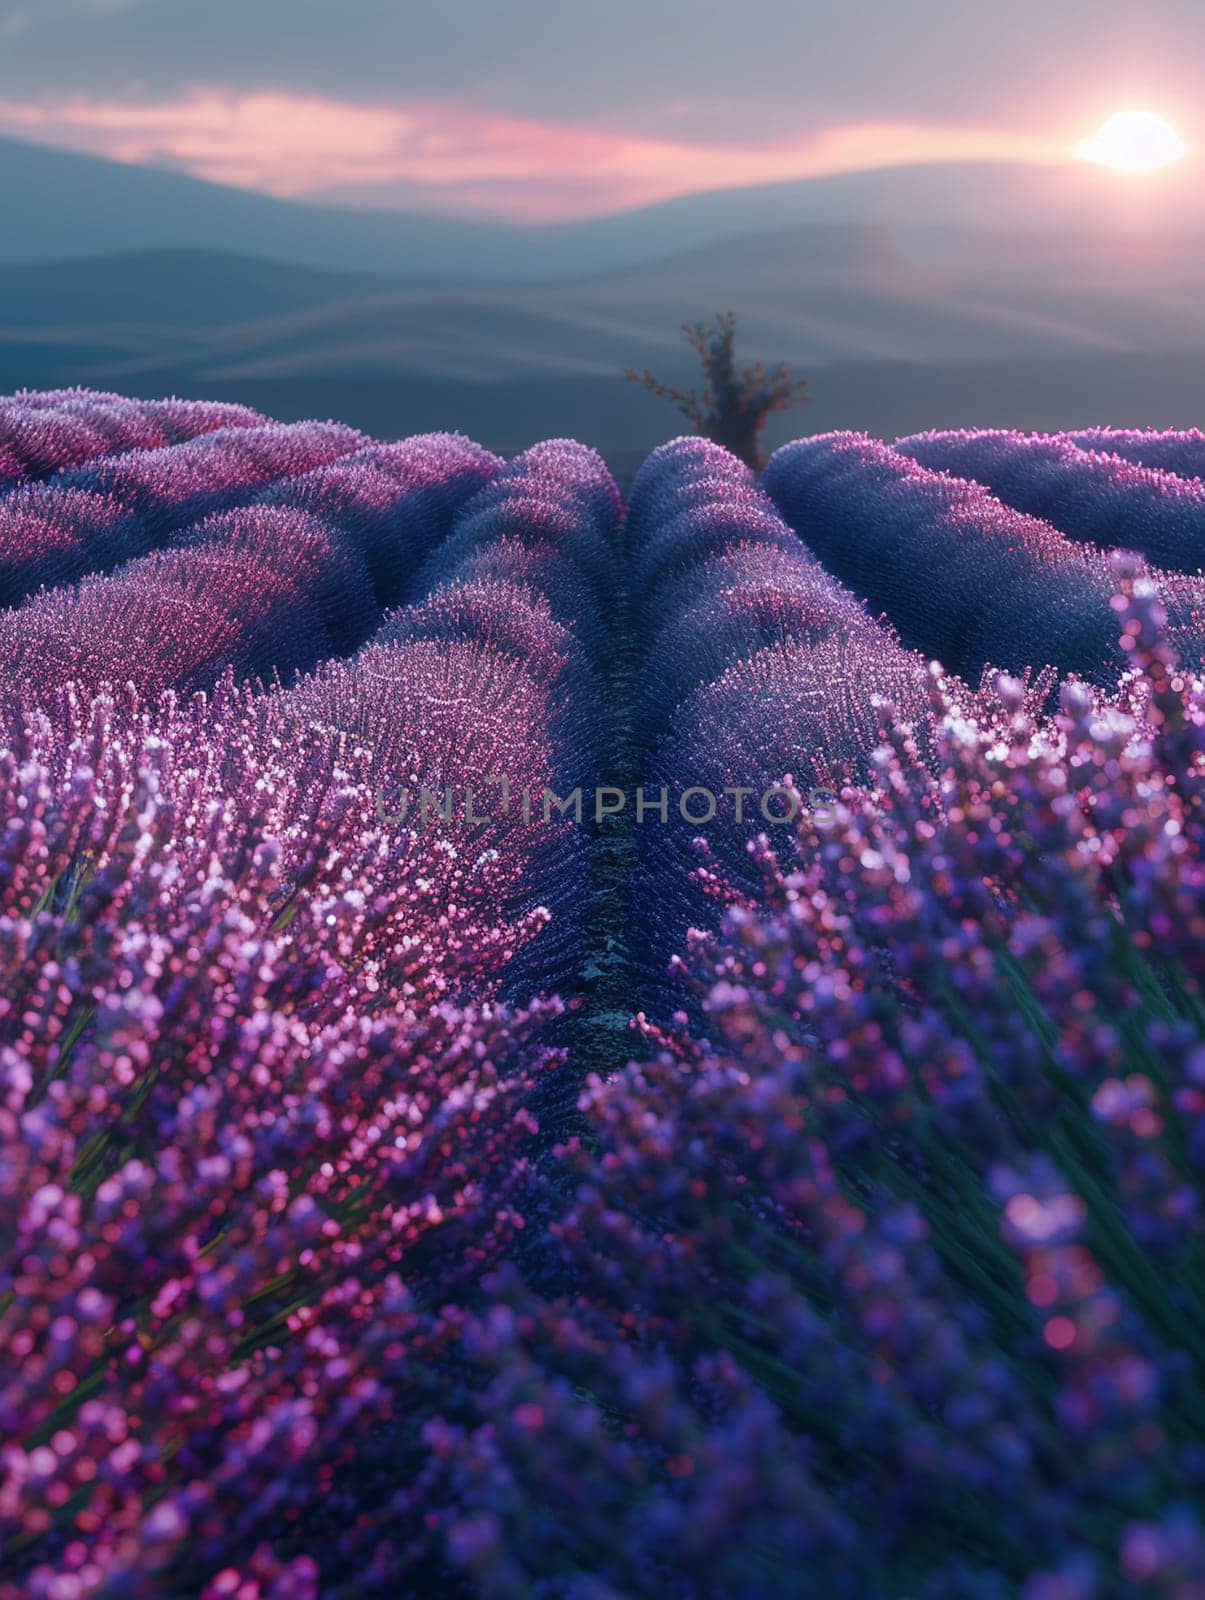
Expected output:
{"points": [[891, 1284], [44, 432], [173, 420], [553, 518], [93, 518], [34, 444], [755, 663], [880, 1274], [520, 587], [250, 1128], [396, 502], [964, 577], [1181, 451], [259, 592], [1090, 494]]}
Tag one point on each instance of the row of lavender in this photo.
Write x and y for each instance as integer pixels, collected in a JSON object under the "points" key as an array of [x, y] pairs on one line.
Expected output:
{"points": [[263, 1115], [91, 519], [891, 1283], [499, 651], [335, 532], [966, 578], [42, 433], [834, 1326], [755, 666], [1110, 488]]}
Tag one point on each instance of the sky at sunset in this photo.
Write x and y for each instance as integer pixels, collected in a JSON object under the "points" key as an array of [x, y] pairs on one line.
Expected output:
{"points": [[532, 109]]}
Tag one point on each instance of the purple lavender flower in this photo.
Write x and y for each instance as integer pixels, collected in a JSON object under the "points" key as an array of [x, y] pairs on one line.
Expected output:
{"points": [[92, 518], [964, 577], [43, 432], [1093, 494]]}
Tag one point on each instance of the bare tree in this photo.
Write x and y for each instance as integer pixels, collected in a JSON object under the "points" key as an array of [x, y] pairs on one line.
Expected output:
{"points": [[736, 401]]}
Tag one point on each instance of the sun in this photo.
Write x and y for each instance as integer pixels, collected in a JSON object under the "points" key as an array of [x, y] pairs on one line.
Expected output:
{"points": [[1133, 141]]}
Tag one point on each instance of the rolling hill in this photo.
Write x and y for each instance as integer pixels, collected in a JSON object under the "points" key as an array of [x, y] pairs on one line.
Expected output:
{"points": [[908, 295], [60, 205], [811, 294]]}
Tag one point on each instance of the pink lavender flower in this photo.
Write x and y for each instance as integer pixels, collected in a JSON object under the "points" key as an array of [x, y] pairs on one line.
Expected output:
{"points": [[1178, 450], [42, 432], [93, 518], [240, 1103]]}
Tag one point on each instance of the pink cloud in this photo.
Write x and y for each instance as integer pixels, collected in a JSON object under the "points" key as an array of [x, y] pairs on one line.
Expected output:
{"points": [[458, 157]]}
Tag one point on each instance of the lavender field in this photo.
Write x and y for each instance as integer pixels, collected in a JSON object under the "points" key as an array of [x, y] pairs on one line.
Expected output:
{"points": [[568, 1045]]}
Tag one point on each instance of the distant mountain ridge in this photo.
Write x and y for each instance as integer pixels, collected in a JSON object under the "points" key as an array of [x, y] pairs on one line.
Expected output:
{"points": [[812, 294], [894, 290], [189, 288], [59, 205]]}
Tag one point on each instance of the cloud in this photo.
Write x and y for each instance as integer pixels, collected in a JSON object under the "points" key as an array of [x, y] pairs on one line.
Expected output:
{"points": [[695, 69], [457, 156]]}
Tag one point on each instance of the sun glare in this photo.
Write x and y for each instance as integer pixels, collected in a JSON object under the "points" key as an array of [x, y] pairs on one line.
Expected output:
{"points": [[1133, 141]]}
